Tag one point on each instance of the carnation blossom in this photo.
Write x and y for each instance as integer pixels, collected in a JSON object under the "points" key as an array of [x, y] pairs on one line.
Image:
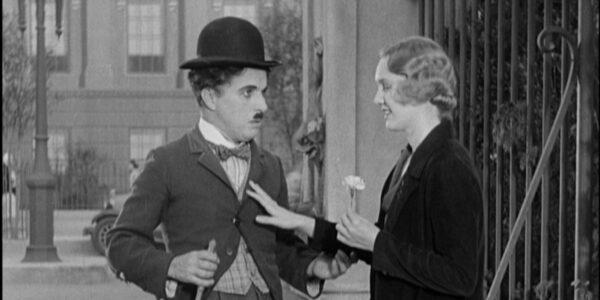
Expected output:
{"points": [[353, 183]]}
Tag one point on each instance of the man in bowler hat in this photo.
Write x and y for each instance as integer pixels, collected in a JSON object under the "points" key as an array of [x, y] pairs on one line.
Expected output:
{"points": [[196, 188]]}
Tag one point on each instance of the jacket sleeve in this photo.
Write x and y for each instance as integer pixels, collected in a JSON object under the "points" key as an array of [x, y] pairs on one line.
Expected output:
{"points": [[453, 198], [325, 239], [132, 253], [293, 255]]}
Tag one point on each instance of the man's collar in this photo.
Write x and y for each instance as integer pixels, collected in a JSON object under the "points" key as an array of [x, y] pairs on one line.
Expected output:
{"points": [[212, 134]]}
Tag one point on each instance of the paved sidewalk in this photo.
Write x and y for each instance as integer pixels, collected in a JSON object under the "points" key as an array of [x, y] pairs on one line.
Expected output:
{"points": [[114, 290], [81, 274], [84, 274]]}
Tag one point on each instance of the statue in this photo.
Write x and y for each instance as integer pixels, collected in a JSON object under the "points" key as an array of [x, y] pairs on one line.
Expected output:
{"points": [[310, 136]]}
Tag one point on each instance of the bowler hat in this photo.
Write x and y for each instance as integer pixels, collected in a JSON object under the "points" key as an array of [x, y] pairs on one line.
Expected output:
{"points": [[230, 41]]}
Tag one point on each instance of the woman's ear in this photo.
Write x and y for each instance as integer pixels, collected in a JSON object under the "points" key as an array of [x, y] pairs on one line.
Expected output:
{"points": [[208, 97]]}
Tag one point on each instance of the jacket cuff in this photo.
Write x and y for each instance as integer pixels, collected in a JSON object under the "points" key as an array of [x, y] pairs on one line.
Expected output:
{"points": [[158, 280], [314, 287], [325, 237]]}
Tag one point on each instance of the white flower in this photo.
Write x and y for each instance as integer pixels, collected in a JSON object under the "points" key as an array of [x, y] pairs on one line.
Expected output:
{"points": [[354, 183]]}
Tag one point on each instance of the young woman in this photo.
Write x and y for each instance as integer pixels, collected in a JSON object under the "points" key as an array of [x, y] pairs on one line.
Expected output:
{"points": [[428, 240]]}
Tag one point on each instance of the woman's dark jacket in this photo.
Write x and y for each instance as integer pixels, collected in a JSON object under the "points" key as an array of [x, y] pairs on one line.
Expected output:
{"points": [[431, 241]]}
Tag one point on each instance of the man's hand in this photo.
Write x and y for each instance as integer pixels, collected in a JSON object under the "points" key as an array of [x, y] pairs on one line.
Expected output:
{"points": [[356, 231], [197, 267], [327, 267]]}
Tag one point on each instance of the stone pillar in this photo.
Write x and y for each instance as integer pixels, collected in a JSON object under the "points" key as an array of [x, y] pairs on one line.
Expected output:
{"points": [[339, 100], [357, 142]]}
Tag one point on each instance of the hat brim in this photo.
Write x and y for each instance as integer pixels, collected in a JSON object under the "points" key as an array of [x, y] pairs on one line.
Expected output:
{"points": [[200, 63]]}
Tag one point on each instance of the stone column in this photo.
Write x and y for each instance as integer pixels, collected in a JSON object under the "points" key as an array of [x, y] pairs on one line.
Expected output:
{"points": [[357, 142]]}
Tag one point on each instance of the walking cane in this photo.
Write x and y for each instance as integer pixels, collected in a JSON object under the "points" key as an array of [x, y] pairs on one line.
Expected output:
{"points": [[211, 248]]}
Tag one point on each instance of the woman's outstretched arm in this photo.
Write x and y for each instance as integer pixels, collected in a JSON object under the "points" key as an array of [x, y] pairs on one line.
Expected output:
{"points": [[279, 216]]}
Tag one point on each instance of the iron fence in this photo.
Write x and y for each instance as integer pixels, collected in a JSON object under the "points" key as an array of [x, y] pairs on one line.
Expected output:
{"points": [[510, 90], [76, 189]]}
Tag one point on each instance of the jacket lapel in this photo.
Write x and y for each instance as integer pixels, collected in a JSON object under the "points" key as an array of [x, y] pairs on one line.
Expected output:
{"points": [[256, 168], [199, 146], [256, 162], [402, 193], [401, 189], [392, 186], [396, 196]]}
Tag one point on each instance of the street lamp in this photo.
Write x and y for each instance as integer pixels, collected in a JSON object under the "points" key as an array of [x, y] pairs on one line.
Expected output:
{"points": [[41, 182]]}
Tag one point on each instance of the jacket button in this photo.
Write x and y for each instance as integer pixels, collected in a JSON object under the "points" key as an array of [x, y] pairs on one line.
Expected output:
{"points": [[235, 221], [229, 251]]}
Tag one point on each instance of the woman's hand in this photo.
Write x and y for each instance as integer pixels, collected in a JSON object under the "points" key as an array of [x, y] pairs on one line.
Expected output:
{"points": [[279, 216], [356, 231]]}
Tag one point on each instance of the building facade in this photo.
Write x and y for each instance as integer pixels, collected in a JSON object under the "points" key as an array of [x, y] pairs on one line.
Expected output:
{"points": [[114, 83]]}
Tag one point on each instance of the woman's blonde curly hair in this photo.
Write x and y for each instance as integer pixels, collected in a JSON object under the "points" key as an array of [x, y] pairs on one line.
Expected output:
{"points": [[429, 71]]}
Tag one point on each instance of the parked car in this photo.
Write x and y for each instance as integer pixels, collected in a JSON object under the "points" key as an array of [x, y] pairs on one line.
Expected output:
{"points": [[103, 221]]}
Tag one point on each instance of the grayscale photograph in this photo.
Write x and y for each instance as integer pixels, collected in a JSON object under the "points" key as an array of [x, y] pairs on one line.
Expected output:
{"points": [[300, 149]]}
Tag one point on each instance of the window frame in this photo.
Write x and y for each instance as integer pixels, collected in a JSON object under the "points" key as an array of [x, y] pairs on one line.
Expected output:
{"points": [[162, 58], [140, 160]]}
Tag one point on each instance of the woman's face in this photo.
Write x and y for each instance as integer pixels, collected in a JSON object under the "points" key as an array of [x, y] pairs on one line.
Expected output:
{"points": [[397, 112]]}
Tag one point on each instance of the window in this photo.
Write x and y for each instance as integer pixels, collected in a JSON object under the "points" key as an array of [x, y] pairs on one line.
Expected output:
{"points": [[56, 46], [141, 141], [244, 11], [146, 49]]}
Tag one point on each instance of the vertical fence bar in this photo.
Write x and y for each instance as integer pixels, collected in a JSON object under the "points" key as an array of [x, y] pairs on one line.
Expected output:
{"points": [[486, 124], [545, 189], [452, 30], [587, 93], [462, 70], [429, 18], [422, 17], [563, 194], [530, 96], [439, 32], [473, 78], [499, 149], [512, 155]]}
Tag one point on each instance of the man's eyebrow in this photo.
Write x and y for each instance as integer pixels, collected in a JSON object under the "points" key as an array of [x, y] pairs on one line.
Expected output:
{"points": [[248, 87], [252, 87]]}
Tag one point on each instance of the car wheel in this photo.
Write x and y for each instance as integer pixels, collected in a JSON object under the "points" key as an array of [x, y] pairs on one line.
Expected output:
{"points": [[100, 232]]}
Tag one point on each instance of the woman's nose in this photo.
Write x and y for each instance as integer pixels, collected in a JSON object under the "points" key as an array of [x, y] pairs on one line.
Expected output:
{"points": [[378, 98]]}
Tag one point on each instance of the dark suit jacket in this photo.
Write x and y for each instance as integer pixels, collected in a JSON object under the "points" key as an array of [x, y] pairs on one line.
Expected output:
{"points": [[431, 241], [183, 186]]}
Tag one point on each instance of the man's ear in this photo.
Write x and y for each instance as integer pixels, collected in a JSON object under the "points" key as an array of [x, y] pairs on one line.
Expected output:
{"points": [[208, 97]]}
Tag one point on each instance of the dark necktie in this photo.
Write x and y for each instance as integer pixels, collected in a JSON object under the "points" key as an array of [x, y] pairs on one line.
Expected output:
{"points": [[224, 153]]}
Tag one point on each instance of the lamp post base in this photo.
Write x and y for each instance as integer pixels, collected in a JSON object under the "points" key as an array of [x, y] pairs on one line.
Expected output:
{"points": [[41, 253]]}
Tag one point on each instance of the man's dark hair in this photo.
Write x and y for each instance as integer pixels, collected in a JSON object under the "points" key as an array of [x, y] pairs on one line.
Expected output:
{"points": [[212, 78]]}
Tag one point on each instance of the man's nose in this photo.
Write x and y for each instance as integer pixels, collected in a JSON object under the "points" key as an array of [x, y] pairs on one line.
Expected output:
{"points": [[262, 103]]}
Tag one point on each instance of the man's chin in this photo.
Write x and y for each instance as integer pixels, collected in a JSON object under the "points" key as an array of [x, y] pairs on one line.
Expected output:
{"points": [[250, 135]]}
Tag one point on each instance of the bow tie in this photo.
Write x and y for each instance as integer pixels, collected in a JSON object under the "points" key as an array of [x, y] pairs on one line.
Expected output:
{"points": [[224, 153]]}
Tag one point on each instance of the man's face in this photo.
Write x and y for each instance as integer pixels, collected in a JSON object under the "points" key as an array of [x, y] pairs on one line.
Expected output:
{"points": [[240, 105], [397, 115]]}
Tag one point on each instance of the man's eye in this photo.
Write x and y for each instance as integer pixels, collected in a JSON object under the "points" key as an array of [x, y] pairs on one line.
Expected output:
{"points": [[247, 93], [386, 87]]}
